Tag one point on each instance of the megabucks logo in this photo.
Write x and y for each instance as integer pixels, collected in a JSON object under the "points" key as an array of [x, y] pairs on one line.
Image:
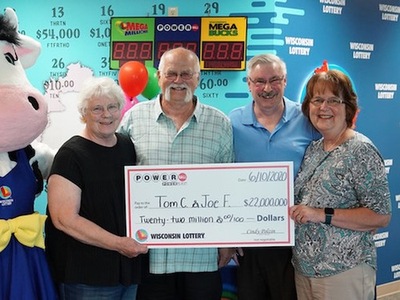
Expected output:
{"points": [[222, 29]]}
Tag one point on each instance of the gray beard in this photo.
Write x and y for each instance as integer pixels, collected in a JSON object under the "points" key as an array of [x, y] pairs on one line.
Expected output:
{"points": [[188, 97]]}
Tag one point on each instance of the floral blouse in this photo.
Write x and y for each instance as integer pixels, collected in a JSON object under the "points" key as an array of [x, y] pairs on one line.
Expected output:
{"points": [[352, 175]]}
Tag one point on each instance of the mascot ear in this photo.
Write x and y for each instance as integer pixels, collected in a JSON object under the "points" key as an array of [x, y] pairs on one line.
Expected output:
{"points": [[12, 17], [27, 55]]}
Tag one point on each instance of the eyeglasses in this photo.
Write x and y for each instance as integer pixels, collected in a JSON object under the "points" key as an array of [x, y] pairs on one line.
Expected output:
{"points": [[99, 109], [184, 75], [332, 102], [261, 83]]}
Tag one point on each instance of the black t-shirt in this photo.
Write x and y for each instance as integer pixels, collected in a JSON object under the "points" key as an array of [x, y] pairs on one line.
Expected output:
{"points": [[99, 172]]}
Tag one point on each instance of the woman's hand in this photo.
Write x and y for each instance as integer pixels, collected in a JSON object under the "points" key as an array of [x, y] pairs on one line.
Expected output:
{"points": [[302, 214]]}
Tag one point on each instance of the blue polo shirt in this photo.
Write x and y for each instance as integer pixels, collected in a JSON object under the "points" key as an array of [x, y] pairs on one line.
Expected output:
{"points": [[288, 141]]}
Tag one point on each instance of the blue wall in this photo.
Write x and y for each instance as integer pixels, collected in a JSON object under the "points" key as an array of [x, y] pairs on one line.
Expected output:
{"points": [[359, 37]]}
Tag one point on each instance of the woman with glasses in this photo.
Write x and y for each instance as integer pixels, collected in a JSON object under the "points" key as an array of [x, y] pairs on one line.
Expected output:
{"points": [[341, 195], [86, 244]]}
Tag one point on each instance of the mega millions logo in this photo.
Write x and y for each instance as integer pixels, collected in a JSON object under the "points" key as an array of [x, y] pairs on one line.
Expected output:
{"points": [[131, 28]]}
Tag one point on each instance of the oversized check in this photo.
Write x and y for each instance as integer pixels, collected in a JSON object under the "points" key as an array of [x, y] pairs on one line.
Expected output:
{"points": [[212, 205]]}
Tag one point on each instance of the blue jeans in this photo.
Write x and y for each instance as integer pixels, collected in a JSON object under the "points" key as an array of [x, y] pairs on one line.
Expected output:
{"points": [[90, 292]]}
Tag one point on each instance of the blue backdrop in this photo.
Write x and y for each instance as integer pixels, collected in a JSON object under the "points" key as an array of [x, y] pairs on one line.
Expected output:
{"points": [[359, 37]]}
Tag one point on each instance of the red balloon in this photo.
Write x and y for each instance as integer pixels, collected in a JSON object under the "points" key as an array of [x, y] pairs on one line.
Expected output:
{"points": [[133, 77]]}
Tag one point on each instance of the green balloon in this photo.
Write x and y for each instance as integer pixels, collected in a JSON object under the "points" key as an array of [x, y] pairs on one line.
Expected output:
{"points": [[152, 89]]}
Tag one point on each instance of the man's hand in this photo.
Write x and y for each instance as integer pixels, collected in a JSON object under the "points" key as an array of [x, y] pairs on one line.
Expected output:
{"points": [[226, 254]]}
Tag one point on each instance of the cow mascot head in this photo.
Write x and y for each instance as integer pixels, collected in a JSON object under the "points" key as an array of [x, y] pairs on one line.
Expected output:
{"points": [[24, 271]]}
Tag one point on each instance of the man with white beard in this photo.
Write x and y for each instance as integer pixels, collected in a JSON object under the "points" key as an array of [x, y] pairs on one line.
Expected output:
{"points": [[175, 129]]}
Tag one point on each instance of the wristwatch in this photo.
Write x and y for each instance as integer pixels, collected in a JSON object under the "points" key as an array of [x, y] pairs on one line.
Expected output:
{"points": [[329, 212]]}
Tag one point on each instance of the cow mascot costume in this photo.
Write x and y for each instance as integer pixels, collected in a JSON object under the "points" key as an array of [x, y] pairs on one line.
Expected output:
{"points": [[24, 273]]}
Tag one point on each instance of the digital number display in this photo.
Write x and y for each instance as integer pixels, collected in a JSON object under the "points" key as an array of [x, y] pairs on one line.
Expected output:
{"points": [[219, 42], [161, 47], [222, 54], [126, 51]]}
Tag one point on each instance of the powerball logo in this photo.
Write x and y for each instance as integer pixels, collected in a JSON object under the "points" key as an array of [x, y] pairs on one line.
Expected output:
{"points": [[164, 178]]}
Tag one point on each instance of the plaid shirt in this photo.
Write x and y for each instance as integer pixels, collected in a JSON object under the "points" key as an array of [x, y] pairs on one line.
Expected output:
{"points": [[205, 138]]}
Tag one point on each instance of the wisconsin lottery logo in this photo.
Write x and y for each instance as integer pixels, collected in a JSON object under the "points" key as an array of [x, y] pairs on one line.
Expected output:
{"points": [[141, 235], [5, 192], [5, 196]]}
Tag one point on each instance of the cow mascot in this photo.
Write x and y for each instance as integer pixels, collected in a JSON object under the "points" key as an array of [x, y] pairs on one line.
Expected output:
{"points": [[24, 273]]}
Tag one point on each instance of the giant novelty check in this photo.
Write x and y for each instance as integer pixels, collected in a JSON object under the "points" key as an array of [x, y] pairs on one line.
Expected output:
{"points": [[212, 205]]}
